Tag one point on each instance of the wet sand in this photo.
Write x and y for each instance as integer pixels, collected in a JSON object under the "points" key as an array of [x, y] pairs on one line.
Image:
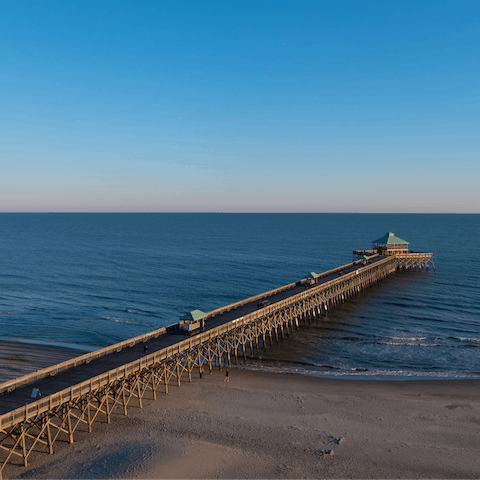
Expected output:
{"points": [[18, 358], [261, 425]]}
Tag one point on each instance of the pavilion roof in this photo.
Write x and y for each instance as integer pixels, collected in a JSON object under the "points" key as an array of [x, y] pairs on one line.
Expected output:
{"points": [[194, 315], [390, 239]]}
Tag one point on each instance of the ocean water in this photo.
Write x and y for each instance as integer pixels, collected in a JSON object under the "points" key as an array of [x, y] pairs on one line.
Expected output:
{"points": [[90, 280]]}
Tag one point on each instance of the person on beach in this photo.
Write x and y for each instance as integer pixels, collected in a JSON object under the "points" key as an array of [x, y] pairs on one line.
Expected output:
{"points": [[227, 378]]}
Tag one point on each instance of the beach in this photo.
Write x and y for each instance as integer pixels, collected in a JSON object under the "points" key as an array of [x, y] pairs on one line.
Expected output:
{"points": [[271, 425]]}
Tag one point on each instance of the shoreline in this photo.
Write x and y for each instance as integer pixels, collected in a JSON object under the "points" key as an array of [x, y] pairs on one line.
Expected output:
{"points": [[21, 358], [270, 425], [380, 377], [18, 358]]}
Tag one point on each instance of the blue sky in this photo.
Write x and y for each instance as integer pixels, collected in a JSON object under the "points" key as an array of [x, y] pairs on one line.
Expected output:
{"points": [[253, 106]]}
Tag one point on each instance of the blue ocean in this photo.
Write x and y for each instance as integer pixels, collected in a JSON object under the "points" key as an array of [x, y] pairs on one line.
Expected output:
{"points": [[90, 280]]}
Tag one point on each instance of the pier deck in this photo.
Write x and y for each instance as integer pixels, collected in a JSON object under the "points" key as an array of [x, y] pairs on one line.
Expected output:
{"points": [[21, 396], [78, 392]]}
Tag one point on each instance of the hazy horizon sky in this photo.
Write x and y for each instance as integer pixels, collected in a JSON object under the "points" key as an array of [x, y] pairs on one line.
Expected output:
{"points": [[252, 106]]}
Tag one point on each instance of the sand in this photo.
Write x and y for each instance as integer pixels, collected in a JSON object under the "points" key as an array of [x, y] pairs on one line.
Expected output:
{"points": [[19, 358], [263, 425]]}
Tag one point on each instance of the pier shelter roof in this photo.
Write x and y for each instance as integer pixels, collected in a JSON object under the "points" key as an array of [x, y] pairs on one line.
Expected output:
{"points": [[389, 239], [195, 315]]}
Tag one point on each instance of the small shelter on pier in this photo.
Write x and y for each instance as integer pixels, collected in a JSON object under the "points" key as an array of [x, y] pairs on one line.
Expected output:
{"points": [[389, 244], [193, 321]]}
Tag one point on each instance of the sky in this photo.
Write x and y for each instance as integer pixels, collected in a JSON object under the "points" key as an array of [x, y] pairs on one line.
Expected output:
{"points": [[251, 106]]}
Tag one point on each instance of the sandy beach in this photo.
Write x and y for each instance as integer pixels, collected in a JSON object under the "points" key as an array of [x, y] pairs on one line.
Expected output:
{"points": [[262, 425]]}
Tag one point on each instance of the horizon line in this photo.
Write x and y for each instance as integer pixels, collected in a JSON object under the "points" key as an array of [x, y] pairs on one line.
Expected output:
{"points": [[240, 213]]}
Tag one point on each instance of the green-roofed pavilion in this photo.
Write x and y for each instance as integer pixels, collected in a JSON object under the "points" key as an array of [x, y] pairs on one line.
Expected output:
{"points": [[389, 244], [389, 239], [194, 315], [197, 314]]}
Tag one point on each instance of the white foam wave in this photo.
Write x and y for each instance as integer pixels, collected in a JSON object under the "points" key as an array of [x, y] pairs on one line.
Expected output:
{"points": [[403, 344], [362, 374], [127, 321], [119, 320], [410, 341], [142, 312], [408, 338]]}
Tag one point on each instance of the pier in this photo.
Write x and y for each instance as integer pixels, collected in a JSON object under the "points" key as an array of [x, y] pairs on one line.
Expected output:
{"points": [[50, 405]]}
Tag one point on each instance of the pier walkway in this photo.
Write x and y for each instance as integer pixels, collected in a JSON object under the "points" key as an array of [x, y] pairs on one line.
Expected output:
{"points": [[77, 392], [53, 381]]}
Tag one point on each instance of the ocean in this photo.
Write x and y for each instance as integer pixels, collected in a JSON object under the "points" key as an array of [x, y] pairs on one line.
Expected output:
{"points": [[89, 280]]}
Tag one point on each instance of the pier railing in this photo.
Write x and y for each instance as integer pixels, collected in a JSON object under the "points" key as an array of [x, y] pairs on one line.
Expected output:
{"points": [[60, 397], [117, 347], [264, 295], [30, 427], [82, 359]]}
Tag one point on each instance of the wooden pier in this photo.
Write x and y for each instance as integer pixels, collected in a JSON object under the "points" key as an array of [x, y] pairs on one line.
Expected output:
{"points": [[77, 393]]}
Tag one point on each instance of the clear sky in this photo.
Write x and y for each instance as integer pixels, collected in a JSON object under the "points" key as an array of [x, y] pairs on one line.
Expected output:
{"points": [[253, 106]]}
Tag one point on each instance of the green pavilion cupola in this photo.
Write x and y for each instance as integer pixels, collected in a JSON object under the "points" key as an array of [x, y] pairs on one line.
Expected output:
{"points": [[389, 244]]}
